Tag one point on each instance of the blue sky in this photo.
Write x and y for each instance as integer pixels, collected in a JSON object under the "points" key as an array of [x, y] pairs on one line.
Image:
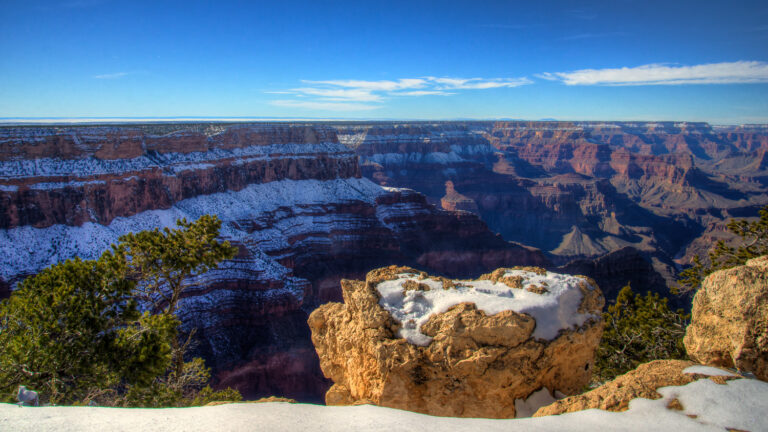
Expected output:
{"points": [[610, 60]]}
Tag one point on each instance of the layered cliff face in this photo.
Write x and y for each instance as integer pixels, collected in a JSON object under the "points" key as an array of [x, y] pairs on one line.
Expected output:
{"points": [[579, 190], [291, 199], [79, 175]]}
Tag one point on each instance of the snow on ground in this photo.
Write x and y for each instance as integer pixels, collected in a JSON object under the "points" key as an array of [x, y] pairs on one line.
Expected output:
{"points": [[554, 310], [738, 404]]}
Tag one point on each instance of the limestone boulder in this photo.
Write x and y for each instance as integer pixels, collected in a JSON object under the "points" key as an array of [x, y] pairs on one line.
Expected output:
{"points": [[403, 339], [641, 382], [729, 324]]}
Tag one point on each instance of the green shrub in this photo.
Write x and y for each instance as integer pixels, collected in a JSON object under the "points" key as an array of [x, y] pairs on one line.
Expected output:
{"points": [[638, 329]]}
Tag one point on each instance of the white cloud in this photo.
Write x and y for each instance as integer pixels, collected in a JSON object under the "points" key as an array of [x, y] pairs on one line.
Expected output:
{"points": [[740, 72], [479, 83], [324, 106], [347, 95], [385, 85], [356, 94]]}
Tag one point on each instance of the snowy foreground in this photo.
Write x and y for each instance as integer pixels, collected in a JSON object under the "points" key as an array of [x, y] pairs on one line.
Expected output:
{"points": [[739, 404]]}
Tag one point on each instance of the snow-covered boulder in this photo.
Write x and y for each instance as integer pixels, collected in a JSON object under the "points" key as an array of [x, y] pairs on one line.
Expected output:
{"points": [[463, 348], [729, 326]]}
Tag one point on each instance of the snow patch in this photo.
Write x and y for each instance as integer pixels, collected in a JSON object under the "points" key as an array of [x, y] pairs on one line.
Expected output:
{"points": [[708, 370], [553, 311], [62, 185], [738, 404], [190, 167]]}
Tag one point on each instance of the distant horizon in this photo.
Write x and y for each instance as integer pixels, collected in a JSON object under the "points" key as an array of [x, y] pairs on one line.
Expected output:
{"points": [[697, 61], [43, 121]]}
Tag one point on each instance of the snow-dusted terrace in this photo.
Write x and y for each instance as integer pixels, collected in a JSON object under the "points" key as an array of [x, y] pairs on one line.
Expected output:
{"points": [[25, 250], [15, 169]]}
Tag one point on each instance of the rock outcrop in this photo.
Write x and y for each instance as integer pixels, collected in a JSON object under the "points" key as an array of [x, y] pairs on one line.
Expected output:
{"points": [[729, 326], [641, 382], [453, 200], [403, 339]]}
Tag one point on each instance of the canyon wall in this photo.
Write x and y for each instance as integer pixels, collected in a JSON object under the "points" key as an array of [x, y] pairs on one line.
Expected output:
{"points": [[580, 190], [291, 198]]}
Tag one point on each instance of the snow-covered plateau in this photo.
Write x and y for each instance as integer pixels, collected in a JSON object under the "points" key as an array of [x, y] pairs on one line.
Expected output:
{"points": [[282, 208], [736, 405]]}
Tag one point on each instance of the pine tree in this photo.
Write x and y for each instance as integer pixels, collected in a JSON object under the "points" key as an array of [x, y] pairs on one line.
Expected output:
{"points": [[161, 261], [74, 332], [638, 329], [67, 332]]}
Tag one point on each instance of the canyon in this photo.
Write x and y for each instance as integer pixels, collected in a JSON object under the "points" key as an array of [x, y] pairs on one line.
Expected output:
{"points": [[617, 201], [292, 200], [311, 203]]}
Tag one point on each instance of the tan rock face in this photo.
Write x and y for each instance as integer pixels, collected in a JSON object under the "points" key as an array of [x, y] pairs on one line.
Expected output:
{"points": [[476, 365], [639, 383], [729, 326], [615, 395]]}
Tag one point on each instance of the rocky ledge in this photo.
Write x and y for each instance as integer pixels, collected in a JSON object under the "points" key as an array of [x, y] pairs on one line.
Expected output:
{"points": [[730, 319], [643, 382], [462, 348]]}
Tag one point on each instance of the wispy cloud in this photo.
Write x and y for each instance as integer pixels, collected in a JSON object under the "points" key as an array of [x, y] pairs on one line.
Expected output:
{"points": [[113, 75], [478, 83], [384, 85], [740, 72], [347, 95], [324, 106], [423, 93], [354, 94]]}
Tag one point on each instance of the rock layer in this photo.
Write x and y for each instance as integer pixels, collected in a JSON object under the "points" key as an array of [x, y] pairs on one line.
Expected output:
{"points": [[729, 325], [476, 365]]}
